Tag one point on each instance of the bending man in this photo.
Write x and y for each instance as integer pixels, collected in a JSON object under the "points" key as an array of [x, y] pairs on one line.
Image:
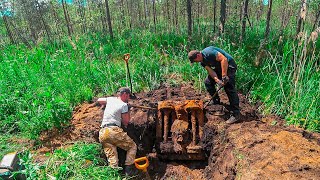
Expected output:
{"points": [[112, 135], [221, 68]]}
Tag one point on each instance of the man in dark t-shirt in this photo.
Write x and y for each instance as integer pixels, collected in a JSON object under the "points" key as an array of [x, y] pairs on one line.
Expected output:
{"points": [[221, 68]]}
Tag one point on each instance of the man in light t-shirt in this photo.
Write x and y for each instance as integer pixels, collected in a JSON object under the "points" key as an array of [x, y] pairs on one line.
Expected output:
{"points": [[111, 134]]}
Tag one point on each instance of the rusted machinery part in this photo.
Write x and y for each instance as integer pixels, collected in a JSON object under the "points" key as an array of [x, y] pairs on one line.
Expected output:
{"points": [[168, 104], [194, 104]]}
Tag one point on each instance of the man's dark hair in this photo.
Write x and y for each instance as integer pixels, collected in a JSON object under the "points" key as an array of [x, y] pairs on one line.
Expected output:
{"points": [[192, 55], [123, 90]]}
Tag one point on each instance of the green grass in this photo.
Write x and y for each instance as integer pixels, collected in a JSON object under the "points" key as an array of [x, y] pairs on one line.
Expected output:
{"points": [[39, 87], [289, 86], [79, 161]]}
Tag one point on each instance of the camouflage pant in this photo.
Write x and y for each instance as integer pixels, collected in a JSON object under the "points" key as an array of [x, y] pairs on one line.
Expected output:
{"points": [[113, 137]]}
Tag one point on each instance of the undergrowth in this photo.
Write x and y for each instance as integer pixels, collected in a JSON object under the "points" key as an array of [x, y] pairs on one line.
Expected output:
{"points": [[79, 161]]}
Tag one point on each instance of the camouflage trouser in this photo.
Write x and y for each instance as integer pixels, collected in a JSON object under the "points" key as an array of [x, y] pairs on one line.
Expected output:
{"points": [[113, 137]]}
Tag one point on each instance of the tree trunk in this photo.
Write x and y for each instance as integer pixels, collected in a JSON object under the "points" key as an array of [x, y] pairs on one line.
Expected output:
{"points": [[122, 13], [168, 15], [285, 17], [260, 12], [81, 11], [129, 6], [102, 17], [45, 26], [189, 18], [57, 21], [214, 15], [175, 15], [66, 18], [146, 15], [302, 16], [5, 20], [19, 33], [244, 19], [268, 21], [223, 7], [154, 15], [109, 19]]}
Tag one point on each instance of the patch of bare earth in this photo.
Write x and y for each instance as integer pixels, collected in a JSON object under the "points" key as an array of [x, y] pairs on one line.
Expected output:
{"points": [[254, 148]]}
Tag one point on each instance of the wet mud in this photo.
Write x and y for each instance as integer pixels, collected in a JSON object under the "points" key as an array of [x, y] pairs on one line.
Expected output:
{"points": [[257, 147]]}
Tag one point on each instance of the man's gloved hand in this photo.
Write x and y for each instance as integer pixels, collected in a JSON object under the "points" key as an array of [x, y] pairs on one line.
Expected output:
{"points": [[220, 83], [225, 80]]}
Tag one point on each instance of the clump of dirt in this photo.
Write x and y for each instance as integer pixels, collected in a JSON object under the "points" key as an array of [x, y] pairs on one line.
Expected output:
{"points": [[255, 148]]}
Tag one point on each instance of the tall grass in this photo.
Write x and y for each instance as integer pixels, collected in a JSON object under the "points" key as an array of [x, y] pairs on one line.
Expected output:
{"points": [[289, 84], [80, 161]]}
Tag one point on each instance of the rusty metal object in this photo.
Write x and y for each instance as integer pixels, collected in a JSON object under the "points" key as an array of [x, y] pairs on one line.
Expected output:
{"points": [[180, 117]]}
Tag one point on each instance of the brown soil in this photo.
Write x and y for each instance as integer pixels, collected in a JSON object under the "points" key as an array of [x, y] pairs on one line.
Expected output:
{"points": [[255, 148]]}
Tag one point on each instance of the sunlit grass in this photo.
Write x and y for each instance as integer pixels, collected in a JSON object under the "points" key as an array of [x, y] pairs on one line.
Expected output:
{"points": [[79, 161]]}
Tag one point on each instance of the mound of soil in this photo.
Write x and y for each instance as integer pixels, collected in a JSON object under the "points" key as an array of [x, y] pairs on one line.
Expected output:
{"points": [[254, 148]]}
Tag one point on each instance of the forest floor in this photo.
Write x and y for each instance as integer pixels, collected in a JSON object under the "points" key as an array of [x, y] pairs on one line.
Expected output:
{"points": [[257, 147]]}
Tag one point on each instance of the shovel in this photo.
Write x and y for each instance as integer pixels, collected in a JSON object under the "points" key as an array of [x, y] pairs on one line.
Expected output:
{"points": [[144, 166], [126, 58], [214, 95]]}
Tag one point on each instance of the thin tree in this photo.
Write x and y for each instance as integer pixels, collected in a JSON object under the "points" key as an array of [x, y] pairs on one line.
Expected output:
{"points": [[129, 8], [285, 17], [81, 11], [109, 19], [302, 16], [244, 19], [5, 20], [67, 18], [214, 15], [267, 32], [223, 7], [146, 14], [175, 15], [45, 25], [154, 15], [189, 18], [20, 34], [122, 13], [102, 17]]}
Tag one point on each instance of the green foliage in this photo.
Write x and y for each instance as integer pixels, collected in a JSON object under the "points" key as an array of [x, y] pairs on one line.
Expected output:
{"points": [[12, 143], [80, 161], [288, 85]]}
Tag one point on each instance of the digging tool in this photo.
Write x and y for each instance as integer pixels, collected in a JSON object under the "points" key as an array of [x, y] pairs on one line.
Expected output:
{"points": [[214, 95], [142, 107], [126, 58], [144, 166]]}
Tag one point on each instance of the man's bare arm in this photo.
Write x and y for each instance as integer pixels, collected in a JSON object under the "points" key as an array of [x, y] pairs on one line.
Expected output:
{"points": [[102, 101], [224, 64], [212, 73]]}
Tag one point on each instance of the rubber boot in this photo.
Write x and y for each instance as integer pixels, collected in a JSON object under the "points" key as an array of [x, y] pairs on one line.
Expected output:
{"points": [[131, 170]]}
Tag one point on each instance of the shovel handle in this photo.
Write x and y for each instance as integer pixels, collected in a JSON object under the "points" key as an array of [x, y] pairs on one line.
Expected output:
{"points": [[144, 166], [126, 57]]}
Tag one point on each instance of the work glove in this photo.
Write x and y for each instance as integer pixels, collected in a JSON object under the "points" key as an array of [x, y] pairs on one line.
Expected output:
{"points": [[225, 79], [220, 84]]}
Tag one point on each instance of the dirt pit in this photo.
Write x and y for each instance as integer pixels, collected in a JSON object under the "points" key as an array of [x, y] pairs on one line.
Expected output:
{"points": [[255, 148]]}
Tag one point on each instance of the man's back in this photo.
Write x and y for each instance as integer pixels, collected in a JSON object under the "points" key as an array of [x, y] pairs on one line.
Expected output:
{"points": [[113, 110]]}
